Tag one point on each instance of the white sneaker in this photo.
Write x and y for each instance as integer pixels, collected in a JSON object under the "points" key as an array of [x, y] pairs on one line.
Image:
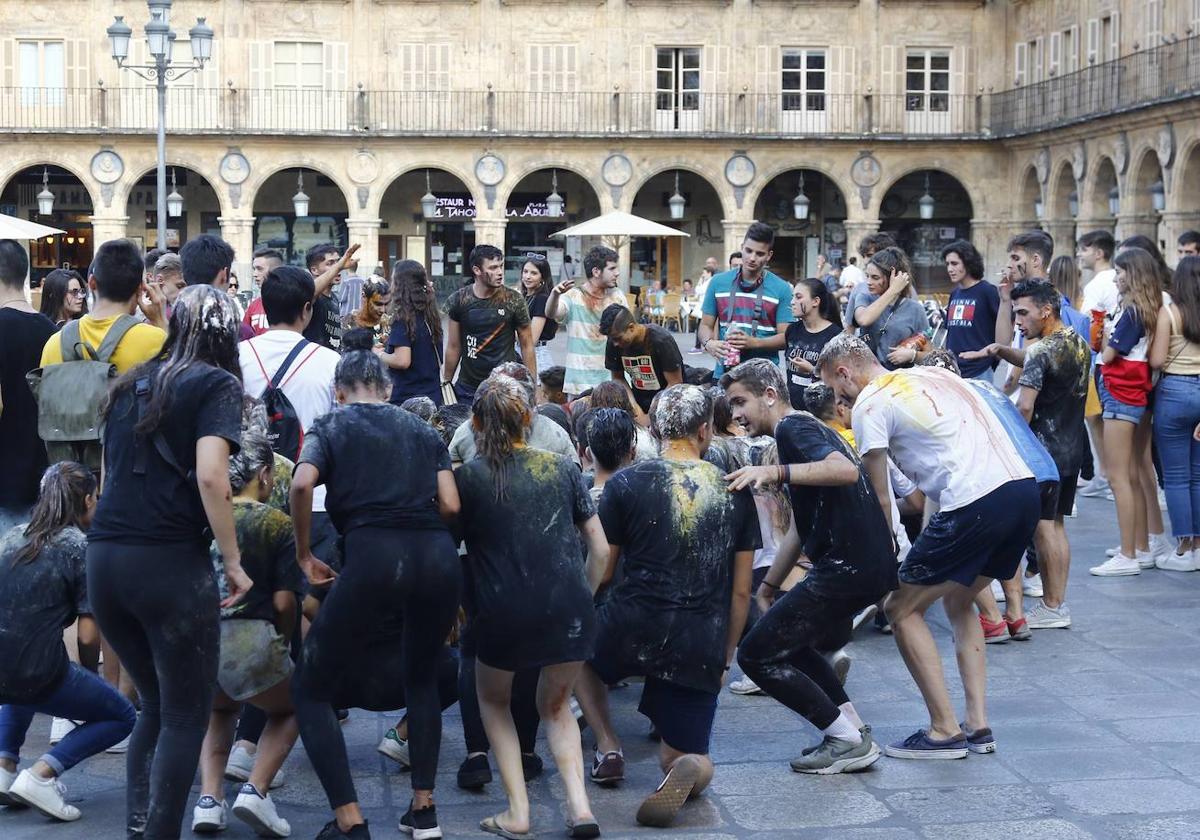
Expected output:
{"points": [[745, 686], [998, 591], [60, 728], [1161, 546], [258, 812], [239, 765], [839, 660], [46, 795], [210, 816], [120, 747], [1032, 586], [1145, 559], [1173, 562], [1112, 552], [395, 748], [1097, 488], [1117, 567], [863, 615], [1042, 617], [1162, 499], [7, 777]]}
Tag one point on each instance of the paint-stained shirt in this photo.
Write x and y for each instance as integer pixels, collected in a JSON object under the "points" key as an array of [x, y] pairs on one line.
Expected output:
{"points": [[645, 364], [679, 528], [763, 311], [488, 330], [940, 433], [842, 528], [268, 548], [37, 600], [528, 595], [580, 312], [1058, 368]]}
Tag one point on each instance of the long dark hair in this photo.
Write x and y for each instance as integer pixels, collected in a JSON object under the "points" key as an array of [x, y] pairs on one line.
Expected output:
{"points": [[1185, 291], [54, 293], [204, 329], [1148, 245], [543, 266], [62, 503], [500, 415], [1064, 275], [828, 307], [412, 298]]}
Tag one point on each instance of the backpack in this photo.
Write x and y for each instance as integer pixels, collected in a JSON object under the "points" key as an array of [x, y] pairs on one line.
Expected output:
{"points": [[283, 424], [69, 395]]}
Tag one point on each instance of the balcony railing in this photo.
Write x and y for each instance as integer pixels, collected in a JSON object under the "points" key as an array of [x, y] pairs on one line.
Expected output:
{"points": [[1159, 75]]}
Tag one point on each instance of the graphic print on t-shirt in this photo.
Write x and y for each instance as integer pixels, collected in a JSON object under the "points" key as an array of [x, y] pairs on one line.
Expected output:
{"points": [[640, 370], [962, 314]]}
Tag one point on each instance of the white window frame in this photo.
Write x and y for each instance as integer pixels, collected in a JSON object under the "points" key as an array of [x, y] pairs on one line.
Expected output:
{"points": [[929, 95], [295, 67], [553, 68], [42, 90], [677, 106]]}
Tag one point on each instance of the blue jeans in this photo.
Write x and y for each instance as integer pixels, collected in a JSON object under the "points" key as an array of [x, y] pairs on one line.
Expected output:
{"points": [[1176, 413], [108, 717]]}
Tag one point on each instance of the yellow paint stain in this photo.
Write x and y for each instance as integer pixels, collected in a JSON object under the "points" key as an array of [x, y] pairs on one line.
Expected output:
{"points": [[696, 488]]}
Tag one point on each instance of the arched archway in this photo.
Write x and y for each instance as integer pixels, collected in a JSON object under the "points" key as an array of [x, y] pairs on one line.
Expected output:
{"points": [[900, 214], [1062, 208], [441, 243], [530, 225], [675, 259], [71, 211], [1030, 204], [804, 227], [1104, 196], [276, 223], [201, 208], [1147, 194]]}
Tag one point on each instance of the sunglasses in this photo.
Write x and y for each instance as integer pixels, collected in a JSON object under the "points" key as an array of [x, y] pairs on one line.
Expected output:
{"points": [[75, 292]]}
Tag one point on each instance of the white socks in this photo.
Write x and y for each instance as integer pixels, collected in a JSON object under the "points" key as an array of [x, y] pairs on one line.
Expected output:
{"points": [[844, 730], [849, 711]]}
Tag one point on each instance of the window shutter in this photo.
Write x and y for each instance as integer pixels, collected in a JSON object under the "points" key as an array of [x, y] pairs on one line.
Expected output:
{"points": [[262, 65], [1195, 16], [8, 63], [1021, 61], [337, 58], [1154, 10], [1093, 40], [78, 69], [1114, 46], [1055, 53], [1073, 52], [437, 62], [766, 70], [841, 75], [890, 71]]}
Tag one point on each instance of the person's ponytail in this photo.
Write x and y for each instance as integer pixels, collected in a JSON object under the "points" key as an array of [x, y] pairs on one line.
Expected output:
{"points": [[62, 502]]}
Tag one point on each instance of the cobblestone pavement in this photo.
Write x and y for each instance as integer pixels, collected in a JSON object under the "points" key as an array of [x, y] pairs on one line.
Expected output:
{"points": [[1098, 730]]}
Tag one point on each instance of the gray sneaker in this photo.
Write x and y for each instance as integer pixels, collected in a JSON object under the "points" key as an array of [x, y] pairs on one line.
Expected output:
{"points": [[834, 755], [1042, 617]]}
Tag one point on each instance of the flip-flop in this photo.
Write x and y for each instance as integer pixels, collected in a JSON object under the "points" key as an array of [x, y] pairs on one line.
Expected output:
{"points": [[491, 826], [584, 829], [659, 808]]}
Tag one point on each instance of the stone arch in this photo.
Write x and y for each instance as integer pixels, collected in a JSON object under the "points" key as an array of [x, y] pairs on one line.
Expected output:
{"points": [[951, 171], [258, 177], [1062, 185], [922, 239], [1144, 172], [15, 168], [382, 184], [1028, 194], [765, 177], [515, 178], [1186, 180], [138, 165], [1093, 204], [717, 182]]}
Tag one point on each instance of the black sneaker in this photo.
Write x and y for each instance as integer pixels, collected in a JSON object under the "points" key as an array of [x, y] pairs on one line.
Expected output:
{"points": [[531, 763], [343, 715], [332, 832], [474, 773], [422, 824]]}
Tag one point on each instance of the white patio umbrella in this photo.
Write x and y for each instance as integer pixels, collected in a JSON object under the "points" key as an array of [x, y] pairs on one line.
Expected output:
{"points": [[13, 228], [616, 224]]}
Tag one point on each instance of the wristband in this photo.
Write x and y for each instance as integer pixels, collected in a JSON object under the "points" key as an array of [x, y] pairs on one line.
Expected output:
{"points": [[768, 583]]}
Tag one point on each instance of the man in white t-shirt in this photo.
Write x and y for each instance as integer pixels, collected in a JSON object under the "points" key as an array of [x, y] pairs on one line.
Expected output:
{"points": [[943, 435], [1095, 252]]}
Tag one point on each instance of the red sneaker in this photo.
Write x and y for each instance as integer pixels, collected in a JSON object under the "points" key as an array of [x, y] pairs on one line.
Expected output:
{"points": [[1018, 629], [994, 634]]}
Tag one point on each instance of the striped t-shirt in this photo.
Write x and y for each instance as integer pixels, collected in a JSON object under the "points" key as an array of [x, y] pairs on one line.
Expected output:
{"points": [[764, 310], [580, 312]]}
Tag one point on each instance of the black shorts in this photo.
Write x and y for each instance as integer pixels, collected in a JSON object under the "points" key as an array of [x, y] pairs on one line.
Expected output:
{"points": [[986, 537], [1066, 495], [1048, 490], [683, 716]]}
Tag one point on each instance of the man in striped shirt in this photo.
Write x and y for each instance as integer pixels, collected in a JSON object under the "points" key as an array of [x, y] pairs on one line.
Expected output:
{"points": [[579, 309]]}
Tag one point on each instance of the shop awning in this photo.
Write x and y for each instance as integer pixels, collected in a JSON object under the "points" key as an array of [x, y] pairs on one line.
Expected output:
{"points": [[13, 228], [617, 223]]}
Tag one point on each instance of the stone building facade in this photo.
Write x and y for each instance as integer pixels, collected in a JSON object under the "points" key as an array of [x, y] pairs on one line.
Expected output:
{"points": [[1070, 115]]}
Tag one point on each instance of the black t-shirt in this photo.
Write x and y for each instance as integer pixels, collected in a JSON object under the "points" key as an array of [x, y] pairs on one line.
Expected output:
{"points": [[379, 465], [162, 506], [489, 330], [645, 363], [1058, 366], [679, 528], [842, 529], [971, 324], [37, 600], [268, 548], [537, 309], [802, 344], [422, 377], [528, 596], [325, 328], [22, 336]]}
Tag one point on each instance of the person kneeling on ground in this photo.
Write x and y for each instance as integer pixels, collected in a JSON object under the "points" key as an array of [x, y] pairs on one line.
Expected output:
{"points": [[687, 545], [43, 588]]}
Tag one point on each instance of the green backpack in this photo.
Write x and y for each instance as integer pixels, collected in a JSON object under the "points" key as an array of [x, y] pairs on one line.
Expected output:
{"points": [[69, 395]]}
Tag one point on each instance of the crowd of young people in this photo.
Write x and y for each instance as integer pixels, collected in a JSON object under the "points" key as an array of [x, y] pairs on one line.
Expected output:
{"points": [[548, 532]]}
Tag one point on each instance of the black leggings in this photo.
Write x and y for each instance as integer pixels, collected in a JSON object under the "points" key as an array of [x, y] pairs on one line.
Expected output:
{"points": [[523, 707], [157, 605], [375, 644], [781, 653]]}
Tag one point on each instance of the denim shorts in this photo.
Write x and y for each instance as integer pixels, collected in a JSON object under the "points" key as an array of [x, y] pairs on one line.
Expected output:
{"points": [[1114, 409]]}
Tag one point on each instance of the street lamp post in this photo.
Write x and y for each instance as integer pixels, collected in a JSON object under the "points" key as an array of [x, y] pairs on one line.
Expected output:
{"points": [[159, 40]]}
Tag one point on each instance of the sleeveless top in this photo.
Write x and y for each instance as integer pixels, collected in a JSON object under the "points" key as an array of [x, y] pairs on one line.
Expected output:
{"points": [[1183, 356]]}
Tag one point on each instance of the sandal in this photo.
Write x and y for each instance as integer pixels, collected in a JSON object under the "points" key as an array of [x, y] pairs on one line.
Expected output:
{"points": [[584, 829], [492, 826]]}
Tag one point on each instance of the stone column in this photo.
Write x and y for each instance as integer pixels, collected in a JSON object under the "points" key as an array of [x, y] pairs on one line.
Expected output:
{"points": [[735, 233], [1083, 226], [238, 231], [1130, 224], [1062, 231], [490, 231], [365, 233], [856, 229], [1174, 224], [107, 228], [990, 237]]}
